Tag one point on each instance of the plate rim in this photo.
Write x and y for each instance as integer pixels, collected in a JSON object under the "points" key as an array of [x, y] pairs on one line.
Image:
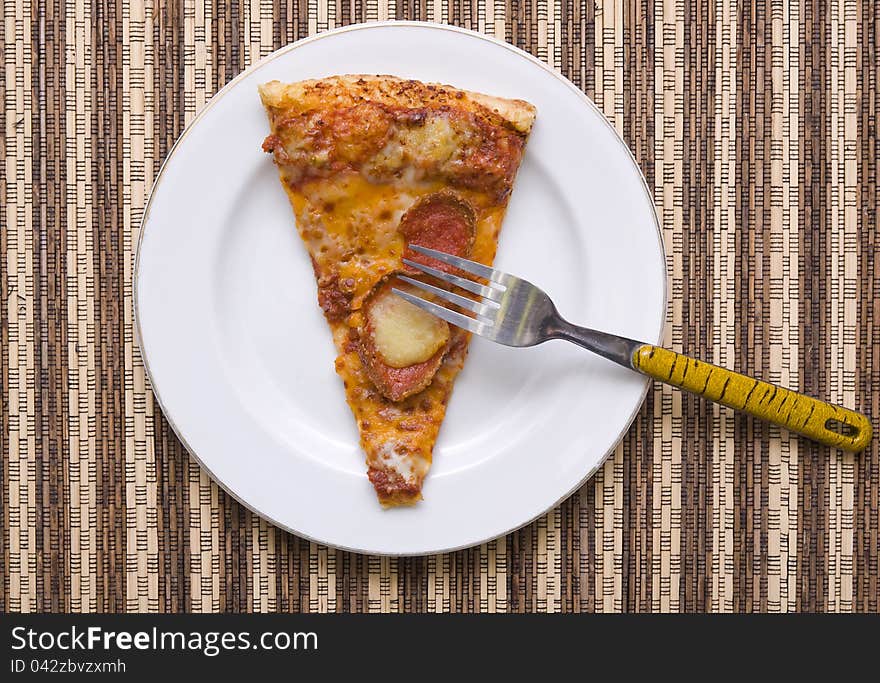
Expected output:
{"points": [[215, 98]]}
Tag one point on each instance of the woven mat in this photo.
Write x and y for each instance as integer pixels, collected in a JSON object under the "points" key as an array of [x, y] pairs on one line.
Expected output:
{"points": [[756, 125]]}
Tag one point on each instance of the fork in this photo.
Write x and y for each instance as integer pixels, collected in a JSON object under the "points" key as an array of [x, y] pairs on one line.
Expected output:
{"points": [[511, 311]]}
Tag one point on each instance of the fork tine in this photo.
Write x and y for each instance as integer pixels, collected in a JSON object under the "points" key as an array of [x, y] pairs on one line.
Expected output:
{"points": [[485, 310], [453, 317], [469, 285], [472, 267]]}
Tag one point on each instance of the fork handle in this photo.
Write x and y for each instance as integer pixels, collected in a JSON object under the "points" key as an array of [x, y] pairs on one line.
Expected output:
{"points": [[828, 424]]}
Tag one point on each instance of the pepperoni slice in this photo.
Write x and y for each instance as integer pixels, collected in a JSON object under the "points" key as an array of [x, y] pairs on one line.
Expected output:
{"points": [[441, 221], [397, 384], [394, 384]]}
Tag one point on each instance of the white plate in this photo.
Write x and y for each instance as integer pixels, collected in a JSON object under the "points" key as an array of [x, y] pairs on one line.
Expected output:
{"points": [[241, 359]]}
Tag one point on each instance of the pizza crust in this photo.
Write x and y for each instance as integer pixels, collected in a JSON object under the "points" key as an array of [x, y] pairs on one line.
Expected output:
{"points": [[348, 90]]}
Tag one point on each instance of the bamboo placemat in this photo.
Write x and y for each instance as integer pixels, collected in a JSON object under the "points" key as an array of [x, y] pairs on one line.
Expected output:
{"points": [[756, 125]]}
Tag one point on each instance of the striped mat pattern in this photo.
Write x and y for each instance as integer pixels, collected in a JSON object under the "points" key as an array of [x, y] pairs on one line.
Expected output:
{"points": [[755, 122]]}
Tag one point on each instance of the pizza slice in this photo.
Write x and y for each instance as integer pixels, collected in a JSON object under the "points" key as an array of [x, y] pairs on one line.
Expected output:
{"points": [[372, 164]]}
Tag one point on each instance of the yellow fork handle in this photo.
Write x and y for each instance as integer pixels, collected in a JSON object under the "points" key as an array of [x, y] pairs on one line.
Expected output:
{"points": [[828, 424]]}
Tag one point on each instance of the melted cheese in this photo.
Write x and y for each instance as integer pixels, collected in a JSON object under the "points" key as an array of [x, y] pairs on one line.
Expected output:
{"points": [[396, 461], [328, 212], [350, 227], [404, 334], [413, 147]]}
